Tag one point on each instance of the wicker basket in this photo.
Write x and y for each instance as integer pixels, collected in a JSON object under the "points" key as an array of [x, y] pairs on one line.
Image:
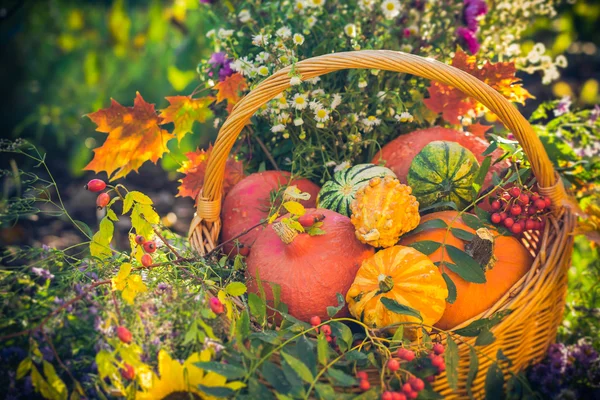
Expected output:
{"points": [[537, 300]]}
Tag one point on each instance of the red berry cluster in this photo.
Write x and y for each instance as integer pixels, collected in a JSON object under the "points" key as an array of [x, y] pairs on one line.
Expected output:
{"points": [[98, 185], [363, 381], [326, 329], [149, 247], [520, 210]]}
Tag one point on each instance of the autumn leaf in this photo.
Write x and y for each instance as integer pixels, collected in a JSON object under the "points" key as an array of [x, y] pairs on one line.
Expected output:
{"points": [[183, 111], [134, 137], [452, 103], [478, 129], [195, 168], [230, 88]]}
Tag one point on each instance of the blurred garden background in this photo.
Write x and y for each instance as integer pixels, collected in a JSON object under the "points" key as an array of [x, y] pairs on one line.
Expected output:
{"points": [[64, 59]]}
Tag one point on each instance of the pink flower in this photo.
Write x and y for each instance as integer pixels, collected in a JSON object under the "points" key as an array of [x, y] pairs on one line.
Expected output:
{"points": [[406, 32], [472, 10], [468, 37]]}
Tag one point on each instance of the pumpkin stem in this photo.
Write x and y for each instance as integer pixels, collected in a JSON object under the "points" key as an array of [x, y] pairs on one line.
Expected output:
{"points": [[285, 233], [386, 283], [481, 248]]}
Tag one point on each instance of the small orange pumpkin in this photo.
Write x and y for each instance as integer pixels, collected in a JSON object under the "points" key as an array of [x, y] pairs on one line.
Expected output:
{"points": [[401, 274], [509, 262]]}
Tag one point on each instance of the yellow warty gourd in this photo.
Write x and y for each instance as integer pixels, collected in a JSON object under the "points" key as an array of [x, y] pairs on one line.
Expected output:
{"points": [[383, 211]]}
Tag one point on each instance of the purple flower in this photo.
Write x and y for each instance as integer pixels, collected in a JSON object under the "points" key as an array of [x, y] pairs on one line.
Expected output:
{"points": [[472, 10], [217, 59], [563, 106], [594, 114], [220, 65], [468, 37], [41, 272]]}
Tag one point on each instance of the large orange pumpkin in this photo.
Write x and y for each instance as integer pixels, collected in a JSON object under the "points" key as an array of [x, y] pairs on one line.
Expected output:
{"points": [[311, 270], [510, 261]]}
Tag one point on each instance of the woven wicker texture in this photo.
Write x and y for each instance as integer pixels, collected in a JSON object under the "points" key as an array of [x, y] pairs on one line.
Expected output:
{"points": [[536, 301]]}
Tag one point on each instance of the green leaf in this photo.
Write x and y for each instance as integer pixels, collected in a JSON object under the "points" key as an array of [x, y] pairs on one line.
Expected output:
{"points": [[426, 247], [111, 215], [475, 327], [442, 205], [481, 173], [399, 334], [432, 224], [216, 391], [332, 311], [258, 307], [322, 350], [299, 367], [305, 349], [243, 324], [257, 390], [24, 367], [485, 337], [266, 336], [137, 197], [275, 377], [104, 362], [473, 368], [501, 357], [355, 355], [494, 383], [472, 221], [398, 308], [84, 227], [229, 371], [482, 214], [451, 288], [341, 378], [235, 289], [238, 264], [276, 290], [451, 358], [54, 381], [491, 148], [341, 331], [462, 234], [466, 267], [325, 392]]}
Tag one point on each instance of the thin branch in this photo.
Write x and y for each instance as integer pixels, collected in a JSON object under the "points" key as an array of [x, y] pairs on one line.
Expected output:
{"points": [[233, 238], [58, 359], [267, 153], [171, 248]]}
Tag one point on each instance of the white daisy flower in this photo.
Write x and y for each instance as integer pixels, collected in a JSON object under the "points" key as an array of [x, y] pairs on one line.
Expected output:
{"points": [[404, 117], [278, 128], [533, 57], [313, 80], [350, 30], [366, 5], [284, 59], [298, 39], [337, 100], [299, 101], [371, 120], [281, 101], [316, 3], [539, 48], [310, 21], [561, 61], [260, 40], [295, 80], [262, 70], [317, 92], [211, 34], [225, 33], [321, 114], [263, 56], [244, 16], [298, 121], [242, 65], [342, 166], [315, 104], [283, 118], [300, 5], [284, 32], [391, 8]]}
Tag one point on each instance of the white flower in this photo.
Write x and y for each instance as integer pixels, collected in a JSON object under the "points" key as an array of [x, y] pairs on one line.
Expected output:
{"points": [[380, 95], [311, 21], [262, 70], [283, 118], [350, 30], [284, 32], [299, 101], [404, 117], [244, 16], [546, 61], [366, 5], [317, 92], [551, 74], [284, 59], [342, 166], [413, 29], [313, 80], [337, 100], [321, 114], [211, 34], [539, 48], [260, 40], [316, 3], [281, 101], [298, 39], [242, 65], [533, 57], [298, 121], [278, 128], [295, 80], [371, 121], [561, 61], [330, 163], [391, 8], [225, 33], [362, 83], [300, 5], [315, 104], [262, 57], [407, 48]]}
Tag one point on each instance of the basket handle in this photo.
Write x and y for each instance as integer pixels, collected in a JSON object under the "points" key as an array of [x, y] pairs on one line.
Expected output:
{"points": [[206, 225]]}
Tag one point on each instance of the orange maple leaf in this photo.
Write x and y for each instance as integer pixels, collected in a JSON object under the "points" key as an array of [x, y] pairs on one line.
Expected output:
{"points": [[453, 103], [478, 129], [134, 137], [195, 168], [230, 89], [183, 111]]}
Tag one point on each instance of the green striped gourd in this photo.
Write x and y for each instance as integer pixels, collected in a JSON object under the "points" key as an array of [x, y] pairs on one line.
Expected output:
{"points": [[338, 193], [443, 172]]}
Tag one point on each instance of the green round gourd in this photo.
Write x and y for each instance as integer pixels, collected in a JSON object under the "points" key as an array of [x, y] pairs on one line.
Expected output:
{"points": [[338, 193], [443, 172]]}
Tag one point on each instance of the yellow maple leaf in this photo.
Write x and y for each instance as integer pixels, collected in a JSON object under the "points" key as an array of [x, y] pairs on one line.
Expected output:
{"points": [[129, 285], [134, 137], [183, 111]]}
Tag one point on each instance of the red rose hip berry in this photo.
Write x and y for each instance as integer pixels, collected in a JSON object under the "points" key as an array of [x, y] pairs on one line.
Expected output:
{"points": [[417, 384], [146, 260], [102, 200], [128, 372], [149, 246], [95, 185], [438, 348], [139, 239], [393, 365], [314, 321], [364, 385], [124, 335], [362, 375], [326, 329]]}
